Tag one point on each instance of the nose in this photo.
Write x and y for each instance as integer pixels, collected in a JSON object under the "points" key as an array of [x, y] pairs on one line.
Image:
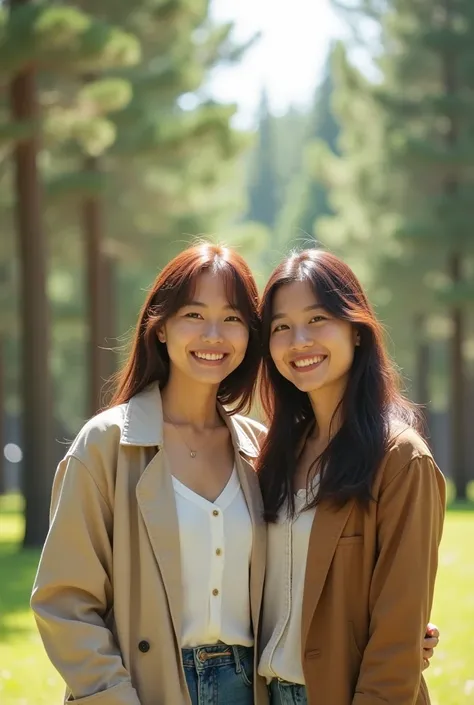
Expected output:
{"points": [[212, 334], [301, 339]]}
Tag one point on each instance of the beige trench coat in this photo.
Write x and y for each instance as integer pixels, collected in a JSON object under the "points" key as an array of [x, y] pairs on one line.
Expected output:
{"points": [[107, 595]]}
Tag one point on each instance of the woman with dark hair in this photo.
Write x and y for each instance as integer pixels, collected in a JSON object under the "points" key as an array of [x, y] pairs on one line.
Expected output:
{"points": [[354, 500], [150, 583]]}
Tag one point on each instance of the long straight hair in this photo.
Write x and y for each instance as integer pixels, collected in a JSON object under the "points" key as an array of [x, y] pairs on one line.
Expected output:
{"points": [[371, 403], [174, 287]]}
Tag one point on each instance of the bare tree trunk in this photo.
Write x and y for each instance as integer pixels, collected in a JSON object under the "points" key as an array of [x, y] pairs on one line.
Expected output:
{"points": [[36, 392], [95, 298], [3, 483], [100, 295], [458, 391], [422, 371], [110, 323], [458, 367], [469, 401]]}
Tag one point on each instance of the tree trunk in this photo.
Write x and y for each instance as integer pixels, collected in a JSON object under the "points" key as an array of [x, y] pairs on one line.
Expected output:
{"points": [[3, 487], [422, 368], [100, 296], [458, 370], [110, 323], [469, 406], [36, 386], [458, 391]]}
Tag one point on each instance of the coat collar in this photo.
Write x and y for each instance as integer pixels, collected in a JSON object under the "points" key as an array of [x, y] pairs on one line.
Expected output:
{"points": [[143, 423]]}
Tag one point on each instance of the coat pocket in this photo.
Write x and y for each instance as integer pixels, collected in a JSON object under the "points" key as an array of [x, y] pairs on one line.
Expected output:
{"points": [[350, 541]]}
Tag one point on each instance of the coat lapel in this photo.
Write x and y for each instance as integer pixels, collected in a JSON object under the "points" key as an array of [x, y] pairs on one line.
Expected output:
{"points": [[246, 454], [155, 497], [251, 489], [143, 426], [326, 531]]}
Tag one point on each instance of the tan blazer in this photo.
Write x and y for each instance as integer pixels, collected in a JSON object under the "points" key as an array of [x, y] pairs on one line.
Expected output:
{"points": [[369, 585], [107, 596]]}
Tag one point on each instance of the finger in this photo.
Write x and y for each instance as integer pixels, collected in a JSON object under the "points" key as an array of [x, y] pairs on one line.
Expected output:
{"points": [[430, 643], [426, 664], [428, 653], [432, 630]]}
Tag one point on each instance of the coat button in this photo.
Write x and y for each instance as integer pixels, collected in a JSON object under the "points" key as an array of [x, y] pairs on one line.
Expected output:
{"points": [[144, 646]]}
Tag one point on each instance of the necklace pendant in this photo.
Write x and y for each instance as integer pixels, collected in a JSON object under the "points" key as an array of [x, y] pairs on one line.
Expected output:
{"points": [[193, 454]]}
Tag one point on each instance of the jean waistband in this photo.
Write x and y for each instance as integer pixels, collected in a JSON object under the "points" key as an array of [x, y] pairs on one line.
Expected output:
{"points": [[215, 655]]}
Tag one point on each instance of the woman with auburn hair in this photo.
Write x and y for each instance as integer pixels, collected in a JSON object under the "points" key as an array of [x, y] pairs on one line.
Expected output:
{"points": [[150, 583], [354, 500]]}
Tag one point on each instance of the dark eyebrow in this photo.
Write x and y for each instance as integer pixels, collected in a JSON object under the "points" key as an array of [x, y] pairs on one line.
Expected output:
{"points": [[200, 304], [313, 307]]}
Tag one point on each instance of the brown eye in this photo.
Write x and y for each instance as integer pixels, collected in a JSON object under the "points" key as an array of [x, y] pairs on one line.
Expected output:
{"points": [[233, 319], [318, 319]]}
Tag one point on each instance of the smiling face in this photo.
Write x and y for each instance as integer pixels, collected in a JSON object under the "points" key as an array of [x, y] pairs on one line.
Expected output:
{"points": [[207, 338], [309, 346]]}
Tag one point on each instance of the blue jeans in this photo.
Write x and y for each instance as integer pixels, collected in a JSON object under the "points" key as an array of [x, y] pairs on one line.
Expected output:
{"points": [[219, 674], [283, 693]]}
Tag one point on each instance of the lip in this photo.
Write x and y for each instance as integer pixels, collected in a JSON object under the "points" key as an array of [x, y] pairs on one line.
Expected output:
{"points": [[209, 363], [307, 368]]}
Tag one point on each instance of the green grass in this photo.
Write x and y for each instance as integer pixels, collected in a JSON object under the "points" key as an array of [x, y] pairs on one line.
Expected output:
{"points": [[27, 678]]}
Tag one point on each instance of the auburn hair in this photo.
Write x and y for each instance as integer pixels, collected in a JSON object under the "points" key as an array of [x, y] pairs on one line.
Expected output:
{"points": [[372, 402], [174, 287]]}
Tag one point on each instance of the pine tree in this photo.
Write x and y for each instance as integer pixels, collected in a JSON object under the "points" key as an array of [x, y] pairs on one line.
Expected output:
{"points": [[325, 134], [429, 107], [181, 154], [420, 144], [306, 200], [34, 36], [263, 188], [145, 174]]}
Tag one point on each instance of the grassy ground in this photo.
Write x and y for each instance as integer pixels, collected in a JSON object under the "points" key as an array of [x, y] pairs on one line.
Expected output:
{"points": [[27, 678]]}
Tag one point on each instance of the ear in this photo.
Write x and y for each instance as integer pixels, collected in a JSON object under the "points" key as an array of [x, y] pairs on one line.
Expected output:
{"points": [[161, 336], [357, 338]]}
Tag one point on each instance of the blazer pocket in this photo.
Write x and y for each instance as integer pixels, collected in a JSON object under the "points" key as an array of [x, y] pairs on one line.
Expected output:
{"points": [[350, 540]]}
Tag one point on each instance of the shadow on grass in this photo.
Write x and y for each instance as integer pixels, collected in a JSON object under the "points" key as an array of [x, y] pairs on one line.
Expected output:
{"points": [[17, 568]]}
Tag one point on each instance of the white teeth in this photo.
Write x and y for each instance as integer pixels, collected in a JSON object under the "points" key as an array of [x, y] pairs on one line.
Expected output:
{"points": [[210, 356], [306, 362]]}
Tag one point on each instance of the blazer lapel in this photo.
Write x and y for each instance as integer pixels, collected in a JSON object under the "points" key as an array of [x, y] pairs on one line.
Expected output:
{"points": [[155, 496], [251, 489], [327, 528]]}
